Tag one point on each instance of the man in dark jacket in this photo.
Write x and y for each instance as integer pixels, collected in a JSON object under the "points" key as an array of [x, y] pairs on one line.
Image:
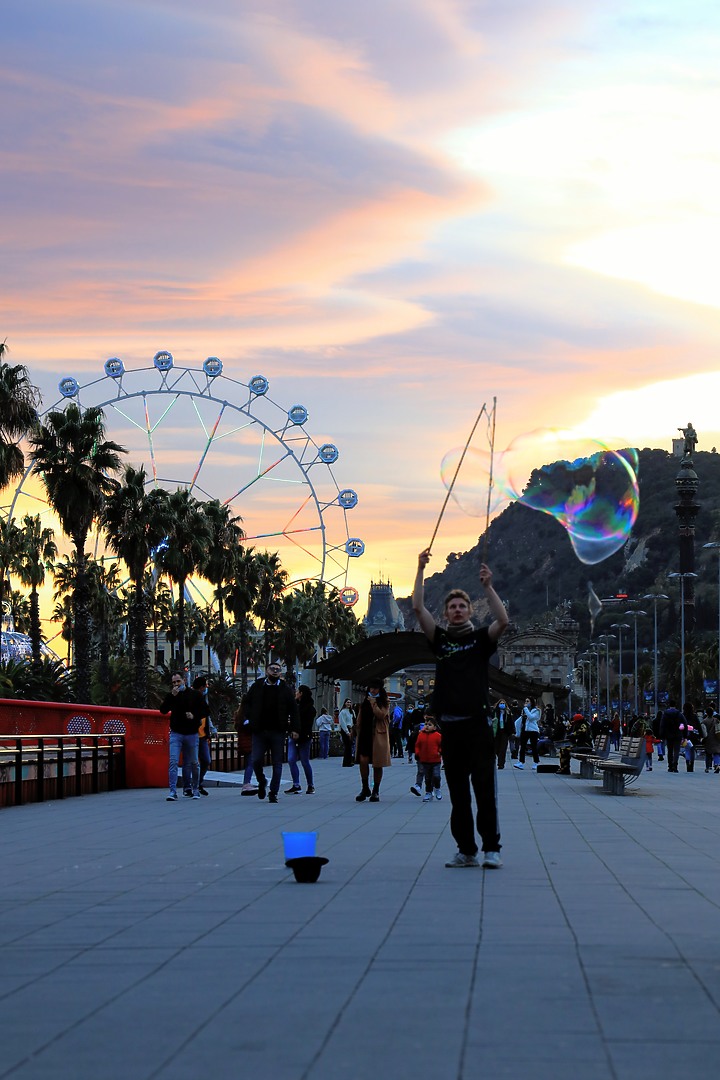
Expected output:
{"points": [[671, 733], [186, 708], [271, 710]]}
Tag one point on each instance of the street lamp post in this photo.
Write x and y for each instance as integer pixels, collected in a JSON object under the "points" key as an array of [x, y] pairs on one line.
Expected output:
{"points": [[715, 546], [581, 664], [620, 626], [687, 574], [605, 640], [635, 615], [655, 597], [594, 654]]}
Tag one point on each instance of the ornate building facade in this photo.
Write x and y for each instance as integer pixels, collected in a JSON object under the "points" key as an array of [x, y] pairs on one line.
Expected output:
{"points": [[541, 653]]}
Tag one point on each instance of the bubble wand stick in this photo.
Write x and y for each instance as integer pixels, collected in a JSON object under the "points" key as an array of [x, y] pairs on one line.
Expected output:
{"points": [[459, 466], [490, 483]]}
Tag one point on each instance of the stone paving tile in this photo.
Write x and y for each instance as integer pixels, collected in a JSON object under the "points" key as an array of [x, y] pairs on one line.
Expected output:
{"points": [[181, 925], [664, 1057]]}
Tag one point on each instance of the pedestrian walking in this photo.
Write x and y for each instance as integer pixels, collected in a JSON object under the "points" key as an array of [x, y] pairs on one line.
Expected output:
{"points": [[346, 724], [428, 749], [300, 742], [186, 708], [373, 740], [530, 733], [323, 726], [271, 710]]}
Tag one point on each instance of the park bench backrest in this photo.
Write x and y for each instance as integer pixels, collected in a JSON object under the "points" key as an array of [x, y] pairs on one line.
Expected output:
{"points": [[632, 750]]}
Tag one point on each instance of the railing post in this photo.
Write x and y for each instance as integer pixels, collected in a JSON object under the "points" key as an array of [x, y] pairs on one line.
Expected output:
{"points": [[41, 771], [60, 769], [110, 764], [95, 783], [18, 773], [78, 767]]}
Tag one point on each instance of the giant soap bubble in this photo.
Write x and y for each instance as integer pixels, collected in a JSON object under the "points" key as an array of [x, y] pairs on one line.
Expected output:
{"points": [[589, 488]]}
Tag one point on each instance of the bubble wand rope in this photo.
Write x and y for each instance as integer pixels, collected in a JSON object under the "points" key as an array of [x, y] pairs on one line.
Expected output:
{"points": [[490, 483], [452, 484]]}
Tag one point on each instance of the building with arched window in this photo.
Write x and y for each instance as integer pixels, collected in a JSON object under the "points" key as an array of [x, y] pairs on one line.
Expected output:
{"points": [[541, 653]]}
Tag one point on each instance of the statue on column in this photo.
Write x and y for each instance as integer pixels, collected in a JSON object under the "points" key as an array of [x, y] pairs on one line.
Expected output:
{"points": [[690, 435]]}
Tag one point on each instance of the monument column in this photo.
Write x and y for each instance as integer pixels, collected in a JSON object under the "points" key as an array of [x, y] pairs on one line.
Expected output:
{"points": [[686, 510]]}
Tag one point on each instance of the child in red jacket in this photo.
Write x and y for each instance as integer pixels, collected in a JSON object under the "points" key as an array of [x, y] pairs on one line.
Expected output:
{"points": [[650, 743], [428, 753]]}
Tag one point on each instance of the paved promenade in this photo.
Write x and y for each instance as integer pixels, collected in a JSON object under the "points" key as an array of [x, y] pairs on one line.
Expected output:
{"points": [[143, 939]]}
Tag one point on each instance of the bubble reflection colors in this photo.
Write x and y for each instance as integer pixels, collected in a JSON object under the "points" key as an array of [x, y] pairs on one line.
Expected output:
{"points": [[590, 489]]}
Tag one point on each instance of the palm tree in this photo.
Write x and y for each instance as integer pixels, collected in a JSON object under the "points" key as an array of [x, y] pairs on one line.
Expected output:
{"points": [[35, 557], [217, 567], [158, 602], [185, 550], [10, 546], [272, 582], [18, 609], [18, 415], [195, 623], [296, 634], [63, 614], [240, 596], [74, 461], [168, 623], [106, 612], [136, 522]]}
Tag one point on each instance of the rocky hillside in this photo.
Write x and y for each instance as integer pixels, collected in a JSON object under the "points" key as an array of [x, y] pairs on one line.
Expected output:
{"points": [[536, 570]]}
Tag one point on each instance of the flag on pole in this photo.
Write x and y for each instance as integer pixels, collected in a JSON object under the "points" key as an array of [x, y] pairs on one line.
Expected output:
{"points": [[594, 607]]}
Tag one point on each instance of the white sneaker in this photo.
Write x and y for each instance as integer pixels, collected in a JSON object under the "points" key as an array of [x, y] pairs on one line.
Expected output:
{"points": [[518, 765], [427, 797], [460, 861], [438, 794], [534, 768], [492, 860], [416, 790]]}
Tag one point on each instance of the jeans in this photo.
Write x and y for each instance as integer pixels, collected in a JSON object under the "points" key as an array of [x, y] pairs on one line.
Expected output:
{"points": [[501, 746], [204, 758], [188, 746], [324, 743], [274, 742], [673, 753], [432, 775], [469, 757], [301, 751], [347, 748], [532, 738]]}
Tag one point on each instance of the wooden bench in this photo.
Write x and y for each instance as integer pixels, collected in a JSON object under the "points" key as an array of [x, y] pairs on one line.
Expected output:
{"points": [[590, 759], [617, 774]]}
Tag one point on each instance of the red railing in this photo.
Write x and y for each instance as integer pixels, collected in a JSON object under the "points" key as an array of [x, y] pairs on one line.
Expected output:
{"points": [[145, 731]]}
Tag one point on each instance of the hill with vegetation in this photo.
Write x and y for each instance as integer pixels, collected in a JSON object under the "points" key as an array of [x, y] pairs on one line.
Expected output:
{"points": [[538, 574]]}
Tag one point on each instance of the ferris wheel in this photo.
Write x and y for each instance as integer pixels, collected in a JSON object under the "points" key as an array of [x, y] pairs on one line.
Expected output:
{"points": [[222, 438]]}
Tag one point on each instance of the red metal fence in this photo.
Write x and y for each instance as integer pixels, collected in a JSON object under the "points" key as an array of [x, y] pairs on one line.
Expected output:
{"points": [[145, 731]]}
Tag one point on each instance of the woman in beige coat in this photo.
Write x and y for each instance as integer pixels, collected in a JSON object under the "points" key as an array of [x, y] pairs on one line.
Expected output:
{"points": [[373, 740]]}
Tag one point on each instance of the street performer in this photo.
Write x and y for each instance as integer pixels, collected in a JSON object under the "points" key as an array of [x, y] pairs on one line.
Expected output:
{"points": [[461, 704]]}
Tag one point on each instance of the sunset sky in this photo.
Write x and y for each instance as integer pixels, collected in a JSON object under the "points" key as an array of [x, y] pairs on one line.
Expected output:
{"points": [[394, 210]]}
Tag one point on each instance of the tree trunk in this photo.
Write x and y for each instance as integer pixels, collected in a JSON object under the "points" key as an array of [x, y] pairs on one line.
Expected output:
{"points": [[104, 661], [35, 629], [181, 623], [221, 652], [137, 636], [81, 625], [243, 656]]}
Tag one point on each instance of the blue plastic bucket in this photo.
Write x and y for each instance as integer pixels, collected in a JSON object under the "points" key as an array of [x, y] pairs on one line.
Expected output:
{"points": [[299, 845]]}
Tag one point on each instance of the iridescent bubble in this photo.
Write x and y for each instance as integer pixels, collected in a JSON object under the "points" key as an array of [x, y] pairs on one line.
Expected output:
{"points": [[471, 488], [589, 488]]}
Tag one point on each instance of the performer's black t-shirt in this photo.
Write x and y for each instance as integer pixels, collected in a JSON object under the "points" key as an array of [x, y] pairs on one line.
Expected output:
{"points": [[461, 677]]}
